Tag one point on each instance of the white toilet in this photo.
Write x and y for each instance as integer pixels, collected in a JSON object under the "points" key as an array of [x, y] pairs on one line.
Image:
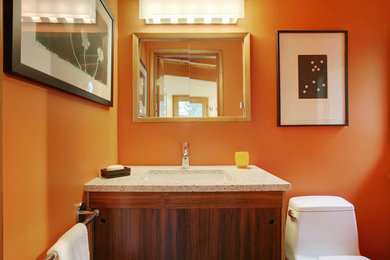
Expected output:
{"points": [[321, 228]]}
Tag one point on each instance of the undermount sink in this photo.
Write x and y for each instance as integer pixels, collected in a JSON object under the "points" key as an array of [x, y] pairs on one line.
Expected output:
{"points": [[186, 176], [187, 171]]}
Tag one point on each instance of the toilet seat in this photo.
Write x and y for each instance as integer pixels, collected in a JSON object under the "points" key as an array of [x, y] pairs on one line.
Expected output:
{"points": [[343, 257]]}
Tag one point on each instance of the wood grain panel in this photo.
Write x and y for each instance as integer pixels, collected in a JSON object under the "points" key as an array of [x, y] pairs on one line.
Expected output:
{"points": [[188, 234], [177, 200]]}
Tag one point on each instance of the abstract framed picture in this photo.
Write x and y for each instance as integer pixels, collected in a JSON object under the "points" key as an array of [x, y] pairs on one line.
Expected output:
{"points": [[312, 78], [66, 50], [143, 90]]}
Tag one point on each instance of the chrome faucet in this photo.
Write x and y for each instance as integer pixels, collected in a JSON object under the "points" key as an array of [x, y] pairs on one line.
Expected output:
{"points": [[185, 161]]}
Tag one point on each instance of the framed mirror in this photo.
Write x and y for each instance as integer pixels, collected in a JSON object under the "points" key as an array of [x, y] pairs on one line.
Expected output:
{"points": [[189, 77]]}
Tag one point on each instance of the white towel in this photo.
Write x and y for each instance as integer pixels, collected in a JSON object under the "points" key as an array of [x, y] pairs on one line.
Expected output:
{"points": [[73, 245]]}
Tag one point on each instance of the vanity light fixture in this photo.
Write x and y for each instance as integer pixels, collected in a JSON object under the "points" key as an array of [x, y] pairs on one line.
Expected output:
{"points": [[59, 11], [191, 11]]}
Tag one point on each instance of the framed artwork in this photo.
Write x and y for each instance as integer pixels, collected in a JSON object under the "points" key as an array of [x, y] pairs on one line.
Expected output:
{"points": [[312, 78], [70, 54], [143, 91]]}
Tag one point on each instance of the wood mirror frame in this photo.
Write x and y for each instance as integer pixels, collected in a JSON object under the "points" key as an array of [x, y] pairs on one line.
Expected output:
{"points": [[246, 85]]}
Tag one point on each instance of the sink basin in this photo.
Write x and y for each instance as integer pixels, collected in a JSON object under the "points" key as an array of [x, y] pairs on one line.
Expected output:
{"points": [[187, 171], [186, 176]]}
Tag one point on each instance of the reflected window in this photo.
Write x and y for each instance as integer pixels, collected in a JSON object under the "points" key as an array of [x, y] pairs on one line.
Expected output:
{"points": [[186, 106]]}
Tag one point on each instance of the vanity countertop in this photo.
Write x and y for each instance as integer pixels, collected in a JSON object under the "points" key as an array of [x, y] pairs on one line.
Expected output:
{"points": [[225, 178], [203, 179]]}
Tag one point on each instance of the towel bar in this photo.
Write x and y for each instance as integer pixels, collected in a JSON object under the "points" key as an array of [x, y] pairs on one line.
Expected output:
{"points": [[52, 256], [83, 216], [86, 216]]}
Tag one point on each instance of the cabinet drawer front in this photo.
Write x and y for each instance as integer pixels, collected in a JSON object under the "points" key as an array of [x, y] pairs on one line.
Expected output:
{"points": [[183, 200]]}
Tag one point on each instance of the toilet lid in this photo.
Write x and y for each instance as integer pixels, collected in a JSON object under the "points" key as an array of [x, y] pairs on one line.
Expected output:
{"points": [[320, 203], [343, 257]]}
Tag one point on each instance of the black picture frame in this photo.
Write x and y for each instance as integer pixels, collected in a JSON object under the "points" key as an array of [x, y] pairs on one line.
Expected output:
{"points": [[307, 97], [87, 79]]}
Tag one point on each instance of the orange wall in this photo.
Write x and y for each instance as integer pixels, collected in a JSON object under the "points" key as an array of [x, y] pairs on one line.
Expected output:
{"points": [[352, 161], [53, 143]]}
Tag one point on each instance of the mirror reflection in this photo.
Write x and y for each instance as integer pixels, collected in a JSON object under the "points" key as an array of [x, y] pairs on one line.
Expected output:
{"points": [[191, 79], [187, 84]]}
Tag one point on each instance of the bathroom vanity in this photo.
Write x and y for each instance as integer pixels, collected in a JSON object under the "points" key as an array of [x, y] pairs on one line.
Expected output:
{"points": [[204, 212]]}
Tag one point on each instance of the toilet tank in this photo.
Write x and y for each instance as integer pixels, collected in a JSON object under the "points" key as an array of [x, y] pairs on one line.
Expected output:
{"points": [[320, 226]]}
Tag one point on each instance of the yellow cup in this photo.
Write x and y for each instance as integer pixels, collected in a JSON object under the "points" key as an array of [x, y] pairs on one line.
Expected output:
{"points": [[242, 159]]}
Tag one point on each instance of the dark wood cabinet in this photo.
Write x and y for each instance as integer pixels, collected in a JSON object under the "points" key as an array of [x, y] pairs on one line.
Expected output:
{"points": [[198, 225]]}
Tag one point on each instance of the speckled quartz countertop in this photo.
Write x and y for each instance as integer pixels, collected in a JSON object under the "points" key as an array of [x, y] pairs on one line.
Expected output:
{"points": [[195, 179]]}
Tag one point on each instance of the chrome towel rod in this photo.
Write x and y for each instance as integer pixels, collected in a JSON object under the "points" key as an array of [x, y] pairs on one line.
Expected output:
{"points": [[90, 215], [83, 216]]}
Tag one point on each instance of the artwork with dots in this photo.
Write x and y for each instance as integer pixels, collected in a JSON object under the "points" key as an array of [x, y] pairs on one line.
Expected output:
{"points": [[313, 76]]}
